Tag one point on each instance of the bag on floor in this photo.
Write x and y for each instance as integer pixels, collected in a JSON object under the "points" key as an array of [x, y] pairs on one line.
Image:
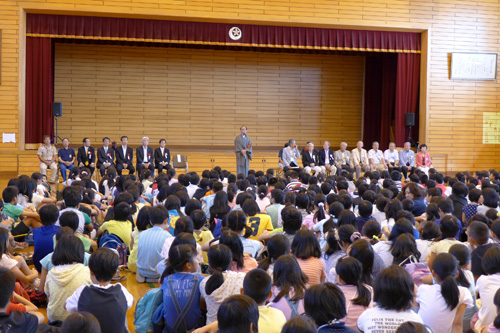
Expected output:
{"points": [[115, 243], [145, 310], [418, 270]]}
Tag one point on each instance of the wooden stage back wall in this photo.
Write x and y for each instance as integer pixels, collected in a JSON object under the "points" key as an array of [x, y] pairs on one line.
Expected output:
{"points": [[198, 98]]}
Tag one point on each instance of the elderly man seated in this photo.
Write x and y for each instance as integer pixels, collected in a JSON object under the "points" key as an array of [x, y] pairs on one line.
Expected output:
{"points": [[376, 158], [326, 159], [343, 159], [310, 159]]}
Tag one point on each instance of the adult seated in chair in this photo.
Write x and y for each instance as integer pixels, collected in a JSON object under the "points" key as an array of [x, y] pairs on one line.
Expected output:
{"points": [[47, 155], [327, 159], [360, 159], [86, 156], [162, 157], [407, 159], [145, 157], [290, 155], [66, 156], [124, 156], [310, 159], [343, 159], [105, 156], [376, 158], [391, 157]]}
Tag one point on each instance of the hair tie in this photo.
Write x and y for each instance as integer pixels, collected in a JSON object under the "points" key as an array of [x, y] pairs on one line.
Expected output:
{"points": [[375, 237], [321, 205], [355, 236], [337, 235]]}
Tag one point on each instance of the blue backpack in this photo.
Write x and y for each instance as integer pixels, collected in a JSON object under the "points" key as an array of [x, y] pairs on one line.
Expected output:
{"points": [[145, 310], [115, 243]]}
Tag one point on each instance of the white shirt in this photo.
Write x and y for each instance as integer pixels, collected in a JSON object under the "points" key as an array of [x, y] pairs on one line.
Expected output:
{"points": [[424, 247], [81, 218], [327, 158], [124, 148], [487, 286], [376, 156], [383, 249], [146, 159], [391, 156], [105, 150], [162, 149], [378, 320], [433, 308]]}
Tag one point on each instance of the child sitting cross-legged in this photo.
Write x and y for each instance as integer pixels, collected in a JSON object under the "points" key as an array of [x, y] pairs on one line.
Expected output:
{"points": [[107, 302]]}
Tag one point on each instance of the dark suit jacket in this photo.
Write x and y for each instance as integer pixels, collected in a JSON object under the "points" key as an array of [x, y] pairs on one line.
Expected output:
{"points": [[108, 158], [120, 159], [306, 158], [82, 157], [140, 155], [331, 157], [161, 158]]}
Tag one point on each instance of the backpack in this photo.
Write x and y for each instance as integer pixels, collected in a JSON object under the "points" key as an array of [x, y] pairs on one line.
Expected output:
{"points": [[145, 310], [115, 243], [418, 270]]}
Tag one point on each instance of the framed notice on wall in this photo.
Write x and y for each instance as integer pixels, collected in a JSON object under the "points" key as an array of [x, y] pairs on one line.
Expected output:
{"points": [[473, 66]]}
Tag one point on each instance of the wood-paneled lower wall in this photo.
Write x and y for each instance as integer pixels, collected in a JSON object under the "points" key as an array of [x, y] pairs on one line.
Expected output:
{"points": [[198, 97]]}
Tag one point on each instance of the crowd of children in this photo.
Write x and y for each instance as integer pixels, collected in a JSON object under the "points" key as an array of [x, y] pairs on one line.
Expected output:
{"points": [[262, 253]]}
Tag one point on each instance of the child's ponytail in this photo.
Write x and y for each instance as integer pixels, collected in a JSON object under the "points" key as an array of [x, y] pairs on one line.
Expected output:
{"points": [[220, 259], [350, 269], [445, 267]]}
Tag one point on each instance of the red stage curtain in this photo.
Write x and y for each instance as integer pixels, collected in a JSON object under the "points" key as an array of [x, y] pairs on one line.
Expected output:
{"points": [[391, 91], [407, 88], [380, 84], [39, 89], [202, 33]]}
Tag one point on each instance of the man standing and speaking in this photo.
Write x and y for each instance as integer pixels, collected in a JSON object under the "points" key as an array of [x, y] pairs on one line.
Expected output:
{"points": [[243, 150]]}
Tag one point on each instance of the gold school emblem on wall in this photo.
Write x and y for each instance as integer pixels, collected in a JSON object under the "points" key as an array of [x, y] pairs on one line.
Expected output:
{"points": [[235, 33]]}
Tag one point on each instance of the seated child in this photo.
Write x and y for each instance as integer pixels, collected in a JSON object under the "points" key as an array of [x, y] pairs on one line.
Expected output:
{"points": [[181, 286], [44, 235], [68, 274], [17, 318], [107, 302], [150, 244]]}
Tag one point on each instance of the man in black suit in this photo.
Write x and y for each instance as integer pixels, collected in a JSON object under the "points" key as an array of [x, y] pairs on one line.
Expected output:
{"points": [[124, 157], [105, 156], [327, 159], [310, 159], [162, 157], [86, 156], [145, 157]]}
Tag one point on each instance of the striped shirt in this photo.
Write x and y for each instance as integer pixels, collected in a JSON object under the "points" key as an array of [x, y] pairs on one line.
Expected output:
{"points": [[149, 251], [314, 268]]}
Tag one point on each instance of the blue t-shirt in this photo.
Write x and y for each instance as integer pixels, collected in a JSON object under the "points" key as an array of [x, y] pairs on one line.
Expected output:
{"points": [[46, 262], [67, 155], [44, 243], [182, 284]]}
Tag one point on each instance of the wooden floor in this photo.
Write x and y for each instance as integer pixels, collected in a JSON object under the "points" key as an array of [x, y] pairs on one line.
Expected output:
{"points": [[136, 289]]}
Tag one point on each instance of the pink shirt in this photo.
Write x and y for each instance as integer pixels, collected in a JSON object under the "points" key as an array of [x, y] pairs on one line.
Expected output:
{"points": [[314, 268], [353, 310], [423, 160], [283, 305], [249, 263]]}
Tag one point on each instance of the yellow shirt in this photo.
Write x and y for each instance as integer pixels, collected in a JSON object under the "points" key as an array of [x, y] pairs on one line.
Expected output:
{"points": [[259, 223], [122, 229], [202, 238], [271, 320]]}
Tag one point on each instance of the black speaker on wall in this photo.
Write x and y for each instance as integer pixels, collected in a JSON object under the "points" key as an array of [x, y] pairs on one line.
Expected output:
{"points": [[57, 109], [410, 119]]}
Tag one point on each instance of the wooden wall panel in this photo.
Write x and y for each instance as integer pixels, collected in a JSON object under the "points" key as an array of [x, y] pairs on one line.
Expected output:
{"points": [[201, 97], [455, 108]]}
